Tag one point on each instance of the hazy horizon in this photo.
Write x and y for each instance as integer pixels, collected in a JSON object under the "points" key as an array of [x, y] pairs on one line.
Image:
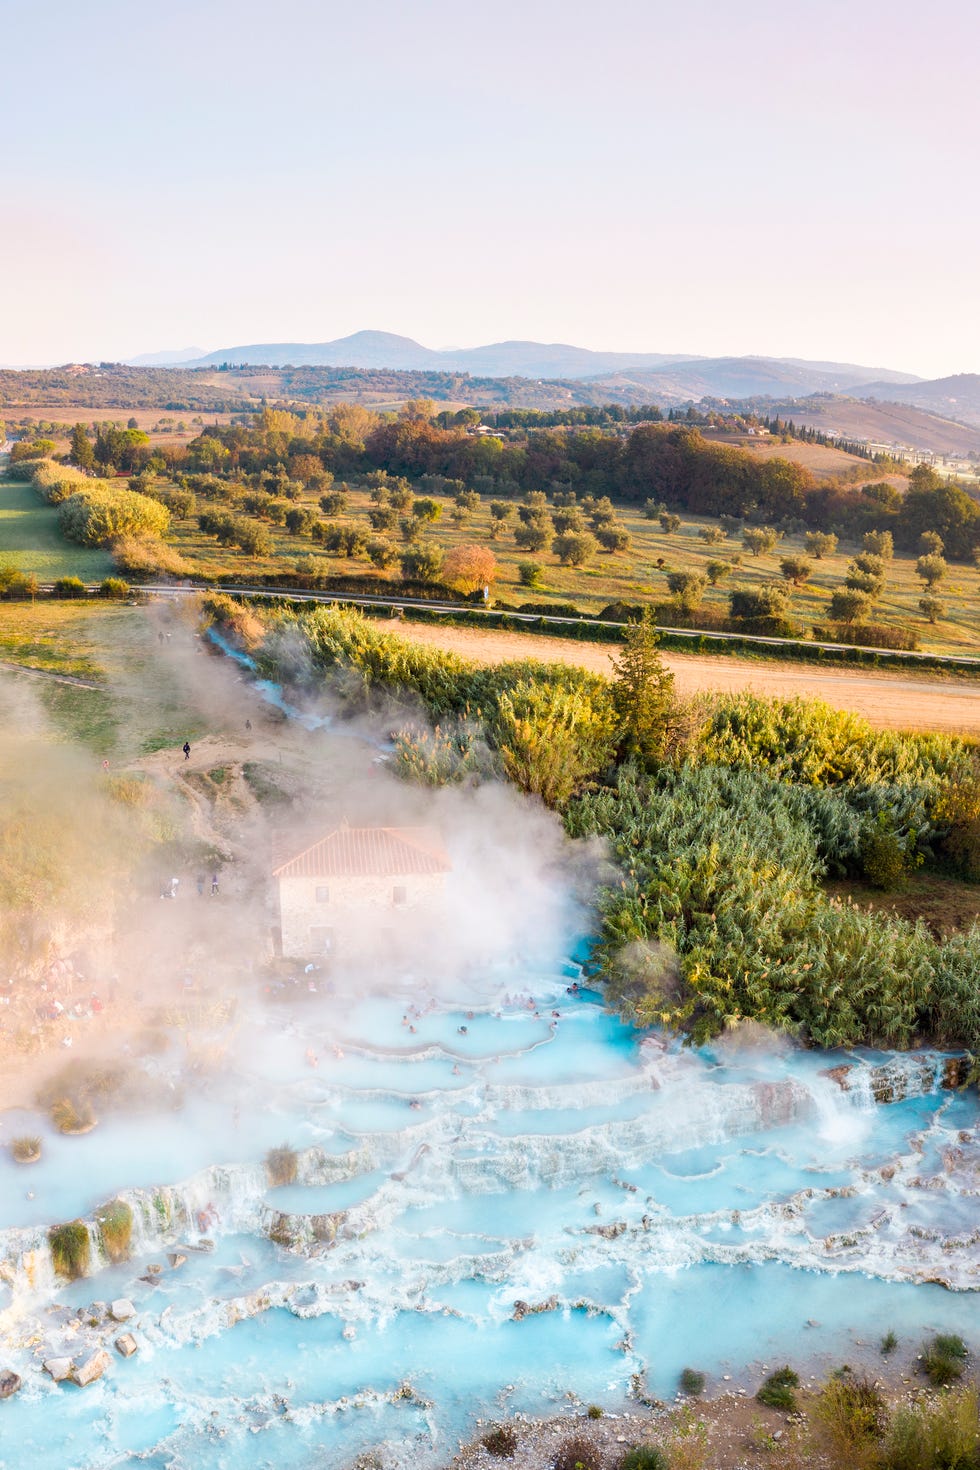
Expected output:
{"points": [[657, 179]]}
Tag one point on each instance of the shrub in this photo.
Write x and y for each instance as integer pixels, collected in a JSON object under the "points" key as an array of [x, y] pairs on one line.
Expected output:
{"points": [[777, 1390], [98, 515], [888, 1343], [848, 605], [21, 584], [669, 522], [422, 563], [115, 1222], [613, 537], [692, 1382], [578, 1452], [717, 571], [280, 1165], [879, 543], [687, 587], [644, 1457], [529, 573], [70, 587], [770, 601], [114, 587], [148, 556], [884, 862], [866, 635], [795, 569], [71, 1249], [26, 1149], [934, 1434], [71, 1117], [820, 544], [500, 1442], [851, 1415], [380, 552], [943, 1358]]}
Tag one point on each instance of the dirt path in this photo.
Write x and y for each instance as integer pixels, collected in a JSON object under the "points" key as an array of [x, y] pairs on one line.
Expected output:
{"points": [[890, 701], [49, 674]]}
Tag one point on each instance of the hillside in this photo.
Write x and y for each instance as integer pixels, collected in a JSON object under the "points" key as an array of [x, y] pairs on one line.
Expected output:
{"points": [[957, 397], [882, 423], [674, 375]]}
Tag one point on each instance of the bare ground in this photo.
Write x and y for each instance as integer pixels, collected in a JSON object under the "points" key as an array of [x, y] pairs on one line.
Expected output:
{"points": [[888, 701]]}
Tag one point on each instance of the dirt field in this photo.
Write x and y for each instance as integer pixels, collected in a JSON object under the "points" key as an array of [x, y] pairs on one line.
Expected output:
{"points": [[888, 701]]}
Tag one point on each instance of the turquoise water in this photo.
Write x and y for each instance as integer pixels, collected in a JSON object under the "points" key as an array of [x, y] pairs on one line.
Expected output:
{"points": [[655, 1208]]}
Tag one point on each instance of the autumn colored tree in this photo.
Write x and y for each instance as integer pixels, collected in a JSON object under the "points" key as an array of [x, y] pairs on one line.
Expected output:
{"points": [[469, 567]]}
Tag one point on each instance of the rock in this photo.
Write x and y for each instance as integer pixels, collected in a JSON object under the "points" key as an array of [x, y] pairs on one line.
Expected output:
{"points": [[176, 1259], [122, 1309], [10, 1382], [99, 1311], [90, 1368], [126, 1345], [59, 1368]]}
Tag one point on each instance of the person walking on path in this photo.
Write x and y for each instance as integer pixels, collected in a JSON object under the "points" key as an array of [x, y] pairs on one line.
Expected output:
{"points": [[187, 750], [214, 884]]}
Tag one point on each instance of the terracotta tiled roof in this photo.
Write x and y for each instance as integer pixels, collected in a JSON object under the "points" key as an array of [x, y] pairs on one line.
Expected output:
{"points": [[369, 852]]}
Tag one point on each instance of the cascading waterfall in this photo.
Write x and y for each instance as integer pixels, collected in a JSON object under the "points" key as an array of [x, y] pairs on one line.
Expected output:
{"points": [[490, 1213]]}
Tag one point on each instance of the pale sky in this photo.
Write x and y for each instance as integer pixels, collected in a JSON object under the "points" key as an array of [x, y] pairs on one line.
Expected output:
{"points": [[781, 177]]}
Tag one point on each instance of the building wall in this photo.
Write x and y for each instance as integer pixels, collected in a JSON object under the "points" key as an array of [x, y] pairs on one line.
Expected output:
{"points": [[358, 910]]}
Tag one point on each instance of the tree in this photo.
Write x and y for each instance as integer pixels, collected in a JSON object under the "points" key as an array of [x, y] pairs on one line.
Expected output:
{"points": [[422, 562], [569, 518], [759, 539], [849, 606], [81, 452], [529, 573], [931, 569], [613, 537], [573, 549], [879, 543], [643, 695], [717, 571], [427, 509], [687, 587], [711, 534], [770, 601], [796, 569], [381, 552], [299, 520], [531, 537], [468, 568], [932, 609], [931, 544], [669, 522], [553, 740], [819, 544]]}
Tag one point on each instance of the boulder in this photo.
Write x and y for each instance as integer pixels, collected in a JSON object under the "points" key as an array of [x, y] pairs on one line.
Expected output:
{"points": [[122, 1309], [89, 1369], [58, 1368], [176, 1259], [126, 1345], [10, 1382]]}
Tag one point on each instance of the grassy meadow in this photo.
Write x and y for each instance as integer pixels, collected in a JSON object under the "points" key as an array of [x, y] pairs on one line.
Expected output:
{"points": [[31, 539]]}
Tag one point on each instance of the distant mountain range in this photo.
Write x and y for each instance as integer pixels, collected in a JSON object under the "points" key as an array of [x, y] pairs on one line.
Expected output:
{"points": [[173, 358], [672, 376]]}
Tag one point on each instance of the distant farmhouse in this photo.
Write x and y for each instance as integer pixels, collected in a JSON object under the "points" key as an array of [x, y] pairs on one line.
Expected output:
{"points": [[358, 889]]}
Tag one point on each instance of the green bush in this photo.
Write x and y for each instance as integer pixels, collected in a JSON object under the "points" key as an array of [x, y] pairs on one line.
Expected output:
{"points": [[115, 1222], [866, 635], [943, 1358], [98, 514], [934, 1434], [851, 1415], [71, 1249], [888, 1344], [692, 1382], [70, 587], [883, 857], [777, 1390], [114, 587], [644, 1457]]}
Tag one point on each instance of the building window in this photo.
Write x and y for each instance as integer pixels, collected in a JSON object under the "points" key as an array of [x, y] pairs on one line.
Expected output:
{"points": [[399, 897], [323, 895]]}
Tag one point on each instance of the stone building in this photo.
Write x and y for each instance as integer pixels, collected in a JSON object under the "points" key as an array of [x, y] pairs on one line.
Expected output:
{"points": [[360, 889]]}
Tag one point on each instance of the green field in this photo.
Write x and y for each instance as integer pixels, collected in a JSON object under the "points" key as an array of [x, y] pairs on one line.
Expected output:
{"points": [[31, 540]]}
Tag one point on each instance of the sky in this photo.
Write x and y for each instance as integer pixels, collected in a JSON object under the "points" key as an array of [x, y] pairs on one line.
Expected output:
{"points": [[696, 177]]}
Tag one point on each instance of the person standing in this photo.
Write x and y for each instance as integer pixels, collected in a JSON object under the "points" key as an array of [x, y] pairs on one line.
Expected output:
{"points": [[187, 750], [214, 884]]}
